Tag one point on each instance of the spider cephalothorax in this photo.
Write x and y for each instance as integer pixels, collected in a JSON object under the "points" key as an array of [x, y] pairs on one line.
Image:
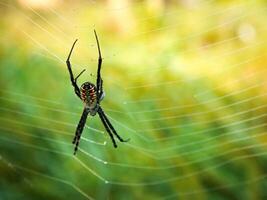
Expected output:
{"points": [[91, 95]]}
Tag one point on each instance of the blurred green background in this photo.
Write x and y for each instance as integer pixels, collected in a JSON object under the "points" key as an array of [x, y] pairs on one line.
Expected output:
{"points": [[185, 80]]}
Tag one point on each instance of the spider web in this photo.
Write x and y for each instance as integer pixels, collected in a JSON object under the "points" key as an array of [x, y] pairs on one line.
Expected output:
{"points": [[197, 126]]}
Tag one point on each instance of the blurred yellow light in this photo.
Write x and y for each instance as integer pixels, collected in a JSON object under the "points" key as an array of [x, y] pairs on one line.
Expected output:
{"points": [[246, 33], [39, 3]]}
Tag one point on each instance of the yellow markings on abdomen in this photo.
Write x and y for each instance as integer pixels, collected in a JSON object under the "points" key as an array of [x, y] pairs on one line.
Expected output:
{"points": [[88, 95]]}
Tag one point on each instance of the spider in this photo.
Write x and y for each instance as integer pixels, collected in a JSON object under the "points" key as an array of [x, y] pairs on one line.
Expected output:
{"points": [[91, 95]]}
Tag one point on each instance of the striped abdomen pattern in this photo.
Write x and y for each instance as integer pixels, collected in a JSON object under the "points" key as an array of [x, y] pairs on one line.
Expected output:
{"points": [[88, 94]]}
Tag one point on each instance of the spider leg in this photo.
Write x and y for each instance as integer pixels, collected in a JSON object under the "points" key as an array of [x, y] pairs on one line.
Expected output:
{"points": [[79, 129], [101, 90], [107, 129], [73, 81], [79, 75], [99, 81], [110, 125]]}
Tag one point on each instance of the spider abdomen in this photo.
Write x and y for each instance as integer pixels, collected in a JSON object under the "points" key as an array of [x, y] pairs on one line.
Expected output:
{"points": [[88, 94]]}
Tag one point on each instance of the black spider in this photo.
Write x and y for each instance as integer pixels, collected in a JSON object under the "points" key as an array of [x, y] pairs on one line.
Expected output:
{"points": [[91, 95]]}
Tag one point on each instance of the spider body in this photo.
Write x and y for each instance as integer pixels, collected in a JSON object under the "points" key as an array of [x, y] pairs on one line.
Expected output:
{"points": [[88, 94], [91, 95]]}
